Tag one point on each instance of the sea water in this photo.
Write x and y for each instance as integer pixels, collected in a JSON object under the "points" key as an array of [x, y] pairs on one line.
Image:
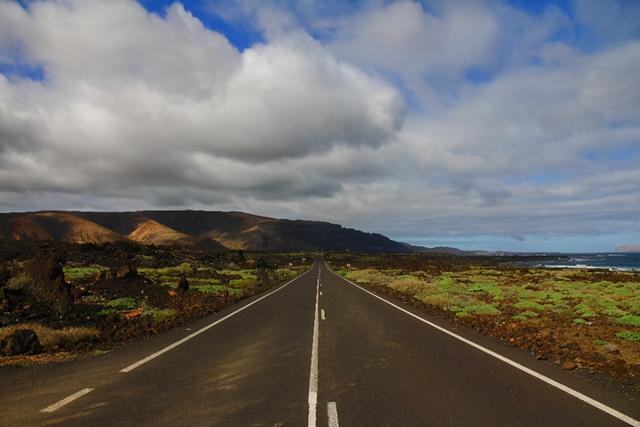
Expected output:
{"points": [[613, 261]]}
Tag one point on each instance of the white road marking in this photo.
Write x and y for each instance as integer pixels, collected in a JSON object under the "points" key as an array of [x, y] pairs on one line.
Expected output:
{"points": [[205, 328], [67, 400], [322, 314], [313, 374], [609, 410], [332, 414], [320, 293]]}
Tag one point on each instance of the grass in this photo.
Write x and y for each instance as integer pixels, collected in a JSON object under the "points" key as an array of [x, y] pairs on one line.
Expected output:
{"points": [[478, 309], [117, 305], [122, 304], [218, 289], [82, 272], [629, 335], [160, 315], [51, 338], [525, 315], [629, 320]]}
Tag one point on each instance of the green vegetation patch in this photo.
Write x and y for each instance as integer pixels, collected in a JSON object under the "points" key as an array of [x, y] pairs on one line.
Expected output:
{"points": [[118, 305], [585, 310], [629, 320], [629, 335], [530, 306], [82, 272], [478, 309], [525, 315], [217, 289], [160, 314]]}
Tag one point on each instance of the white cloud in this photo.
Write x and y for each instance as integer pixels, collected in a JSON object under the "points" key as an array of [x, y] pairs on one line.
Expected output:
{"points": [[132, 97], [402, 36], [535, 119]]}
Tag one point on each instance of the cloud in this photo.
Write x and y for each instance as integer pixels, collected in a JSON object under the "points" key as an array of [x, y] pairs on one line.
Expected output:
{"points": [[403, 36], [539, 118], [162, 100]]}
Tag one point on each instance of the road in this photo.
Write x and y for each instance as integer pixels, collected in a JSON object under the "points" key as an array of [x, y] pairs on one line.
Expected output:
{"points": [[316, 351]]}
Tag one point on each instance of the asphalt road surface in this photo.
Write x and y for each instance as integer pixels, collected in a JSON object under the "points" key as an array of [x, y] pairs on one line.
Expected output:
{"points": [[316, 351]]}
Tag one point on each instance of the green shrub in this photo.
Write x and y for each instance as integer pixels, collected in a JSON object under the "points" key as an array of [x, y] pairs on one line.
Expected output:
{"points": [[77, 273], [525, 315], [584, 310], [121, 304], [529, 306], [629, 320], [479, 310], [629, 335], [160, 314]]}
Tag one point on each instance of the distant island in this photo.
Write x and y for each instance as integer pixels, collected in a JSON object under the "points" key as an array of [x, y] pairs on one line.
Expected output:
{"points": [[628, 248]]}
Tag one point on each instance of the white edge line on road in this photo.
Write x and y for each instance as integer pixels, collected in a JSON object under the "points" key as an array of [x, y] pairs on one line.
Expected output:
{"points": [[66, 400], [614, 413], [205, 328], [332, 414], [322, 315], [313, 374]]}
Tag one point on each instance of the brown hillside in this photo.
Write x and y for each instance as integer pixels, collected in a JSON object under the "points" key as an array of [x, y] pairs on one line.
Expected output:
{"points": [[24, 228], [70, 228], [54, 226], [151, 232]]}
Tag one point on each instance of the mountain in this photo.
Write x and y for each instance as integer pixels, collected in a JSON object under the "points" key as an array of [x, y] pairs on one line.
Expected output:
{"points": [[54, 226], [628, 248], [149, 232], [216, 230], [446, 250]]}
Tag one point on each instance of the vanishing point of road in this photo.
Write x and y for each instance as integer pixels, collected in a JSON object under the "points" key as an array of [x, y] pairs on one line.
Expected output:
{"points": [[318, 350]]}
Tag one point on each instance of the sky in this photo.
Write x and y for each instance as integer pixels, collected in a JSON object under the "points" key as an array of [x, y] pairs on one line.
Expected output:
{"points": [[498, 125]]}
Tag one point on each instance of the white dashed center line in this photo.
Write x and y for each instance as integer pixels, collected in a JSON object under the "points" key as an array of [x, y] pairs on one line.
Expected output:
{"points": [[313, 374], [332, 414]]}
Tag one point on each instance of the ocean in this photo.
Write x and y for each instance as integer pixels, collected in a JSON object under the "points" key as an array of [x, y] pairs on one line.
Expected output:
{"points": [[612, 261]]}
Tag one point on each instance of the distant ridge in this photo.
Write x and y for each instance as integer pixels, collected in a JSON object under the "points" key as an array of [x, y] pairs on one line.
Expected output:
{"points": [[628, 248], [211, 229], [445, 250]]}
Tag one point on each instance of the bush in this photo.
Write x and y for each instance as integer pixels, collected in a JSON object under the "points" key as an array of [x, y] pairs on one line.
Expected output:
{"points": [[478, 309], [629, 320], [525, 315], [629, 335]]}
